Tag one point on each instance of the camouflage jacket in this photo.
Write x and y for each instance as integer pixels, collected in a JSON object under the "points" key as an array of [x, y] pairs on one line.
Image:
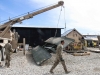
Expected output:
{"points": [[8, 48]]}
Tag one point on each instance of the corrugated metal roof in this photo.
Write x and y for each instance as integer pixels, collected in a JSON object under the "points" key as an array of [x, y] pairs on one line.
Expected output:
{"points": [[28, 26], [67, 32], [91, 37]]}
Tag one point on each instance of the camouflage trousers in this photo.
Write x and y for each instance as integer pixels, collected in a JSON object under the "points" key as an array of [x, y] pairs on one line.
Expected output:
{"points": [[2, 55], [57, 62], [7, 60]]}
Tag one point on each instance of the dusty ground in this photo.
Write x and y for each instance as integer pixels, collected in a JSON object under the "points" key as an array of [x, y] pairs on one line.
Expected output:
{"points": [[78, 65]]}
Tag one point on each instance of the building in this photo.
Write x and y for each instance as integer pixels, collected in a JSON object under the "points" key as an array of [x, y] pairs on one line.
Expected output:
{"points": [[74, 34], [91, 40], [36, 35]]}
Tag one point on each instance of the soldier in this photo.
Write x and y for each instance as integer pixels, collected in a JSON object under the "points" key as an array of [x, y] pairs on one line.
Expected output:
{"points": [[2, 56], [8, 49], [59, 58]]}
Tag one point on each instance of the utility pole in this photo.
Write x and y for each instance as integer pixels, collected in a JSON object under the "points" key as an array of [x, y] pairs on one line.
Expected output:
{"points": [[24, 46], [98, 41], [65, 27]]}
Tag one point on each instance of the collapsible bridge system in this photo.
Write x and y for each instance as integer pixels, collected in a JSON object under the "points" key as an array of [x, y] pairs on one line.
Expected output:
{"points": [[42, 53]]}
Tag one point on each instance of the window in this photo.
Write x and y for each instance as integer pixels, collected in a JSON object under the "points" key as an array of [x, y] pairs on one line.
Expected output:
{"points": [[1, 41]]}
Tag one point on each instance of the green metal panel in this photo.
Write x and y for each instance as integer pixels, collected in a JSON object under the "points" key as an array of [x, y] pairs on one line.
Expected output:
{"points": [[40, 55], [50, 49], [57, 40]]}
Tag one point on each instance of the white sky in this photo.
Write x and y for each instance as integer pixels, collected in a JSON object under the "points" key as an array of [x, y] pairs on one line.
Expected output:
{"points": [[84, 15]]}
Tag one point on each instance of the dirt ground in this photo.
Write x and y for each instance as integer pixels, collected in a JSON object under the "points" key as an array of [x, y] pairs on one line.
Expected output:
{"points": [[78, 65]]}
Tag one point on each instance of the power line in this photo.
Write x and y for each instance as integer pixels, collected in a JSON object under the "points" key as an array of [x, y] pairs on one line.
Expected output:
{"points": [[58, 21], [64, 17]]}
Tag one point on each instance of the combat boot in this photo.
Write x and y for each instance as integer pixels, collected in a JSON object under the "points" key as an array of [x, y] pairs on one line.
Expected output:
{"points": [[67, 72], [51, 71]]}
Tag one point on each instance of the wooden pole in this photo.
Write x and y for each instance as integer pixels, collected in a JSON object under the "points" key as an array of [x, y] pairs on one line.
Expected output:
{"points": [[98, 41], [81, 54], [24, 46]]}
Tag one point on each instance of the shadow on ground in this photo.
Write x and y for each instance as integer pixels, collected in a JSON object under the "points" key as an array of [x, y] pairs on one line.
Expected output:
{"points": [[29, 58]]}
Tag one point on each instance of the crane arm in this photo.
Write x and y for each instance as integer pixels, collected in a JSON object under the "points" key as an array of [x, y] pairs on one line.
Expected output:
{"points": [[28, 16]]}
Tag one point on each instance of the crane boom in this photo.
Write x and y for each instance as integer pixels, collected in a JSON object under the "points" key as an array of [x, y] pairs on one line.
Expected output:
{"points": [[60, 3], [28, 16]]}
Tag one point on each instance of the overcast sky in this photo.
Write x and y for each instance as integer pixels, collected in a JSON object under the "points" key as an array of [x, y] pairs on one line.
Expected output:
{"points": [[84, 15]]}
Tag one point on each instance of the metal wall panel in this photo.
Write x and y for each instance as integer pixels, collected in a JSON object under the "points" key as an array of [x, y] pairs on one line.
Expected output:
{"points": [[57, 40], [36, 36], [40, 55]]}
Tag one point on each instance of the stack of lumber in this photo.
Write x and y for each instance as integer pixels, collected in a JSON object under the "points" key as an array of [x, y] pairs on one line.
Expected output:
{"points": [[81, 54]]}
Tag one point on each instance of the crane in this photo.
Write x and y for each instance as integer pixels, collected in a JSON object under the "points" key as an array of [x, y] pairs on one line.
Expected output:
{"points": [[5, 31]]}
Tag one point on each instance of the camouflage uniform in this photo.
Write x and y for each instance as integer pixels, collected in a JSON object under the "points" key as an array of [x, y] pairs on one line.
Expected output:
{"points": [[8, 49], [59, 58], [2, 56]]}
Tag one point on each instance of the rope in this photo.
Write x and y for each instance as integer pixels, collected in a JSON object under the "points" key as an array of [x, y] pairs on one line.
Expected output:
{"points": [[58, 22], [64, 17], [57, 25]]}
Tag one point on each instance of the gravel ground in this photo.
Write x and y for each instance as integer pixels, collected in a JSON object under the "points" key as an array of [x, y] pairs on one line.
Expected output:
{"points": [[78, 65]]}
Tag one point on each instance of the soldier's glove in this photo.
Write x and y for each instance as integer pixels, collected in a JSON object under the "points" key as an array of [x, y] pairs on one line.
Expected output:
{"points": [[61, 59]]}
